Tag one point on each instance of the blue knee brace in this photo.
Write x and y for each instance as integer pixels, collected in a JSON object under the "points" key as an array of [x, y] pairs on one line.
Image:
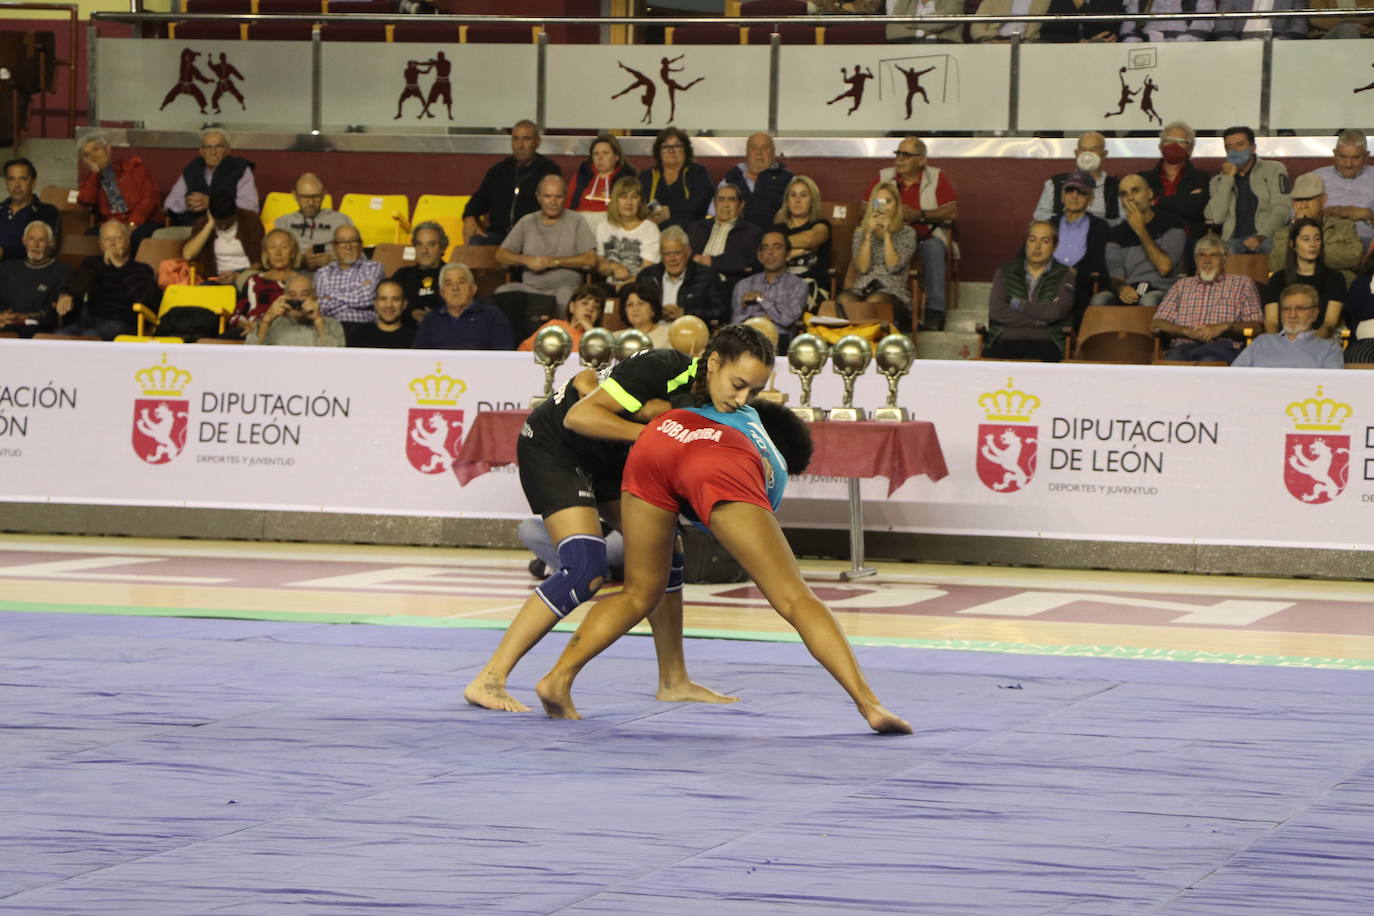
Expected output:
{"points": [[675, 572], [581, 560]]}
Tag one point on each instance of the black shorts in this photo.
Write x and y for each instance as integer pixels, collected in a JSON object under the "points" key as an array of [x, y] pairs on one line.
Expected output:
{"points": [[555, 477]]}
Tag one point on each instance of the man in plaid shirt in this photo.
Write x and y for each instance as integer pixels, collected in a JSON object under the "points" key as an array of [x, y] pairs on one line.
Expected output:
{"points": [[1206, 315], [345, 288]]}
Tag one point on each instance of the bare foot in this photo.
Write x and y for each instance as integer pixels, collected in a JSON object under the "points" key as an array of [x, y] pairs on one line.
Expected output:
{"points": [[884, 722], [691, 692], [489, 693], [556, 695]]}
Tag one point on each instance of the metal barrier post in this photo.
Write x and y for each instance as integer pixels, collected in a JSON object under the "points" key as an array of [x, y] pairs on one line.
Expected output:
{"points": [[774, 80], [1266, 80], [541, 57], [92, 92], [1014, 91], [316, 83]]}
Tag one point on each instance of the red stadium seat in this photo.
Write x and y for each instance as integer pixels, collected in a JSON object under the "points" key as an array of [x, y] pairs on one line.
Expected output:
{"points": [[298, 30], [290, 6], [207, 31], [703, 35], [375, 7], [855, 34], [499, 34], [218, 6], [353, 31], [420, 30]]}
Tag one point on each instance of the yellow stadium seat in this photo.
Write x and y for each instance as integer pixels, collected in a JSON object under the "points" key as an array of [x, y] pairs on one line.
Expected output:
{"points": [[134, 338], [378, 216], [280, 203], [221, 300], [444, 209]]}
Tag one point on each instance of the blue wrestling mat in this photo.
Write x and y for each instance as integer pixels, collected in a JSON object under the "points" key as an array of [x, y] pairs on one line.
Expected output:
{"points": [[156, 766]]}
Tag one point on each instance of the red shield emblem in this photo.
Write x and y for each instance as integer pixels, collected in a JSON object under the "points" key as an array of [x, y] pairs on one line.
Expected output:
{"points": [[432, 438], [1316, 466], [159, 432], [1006, 455]]}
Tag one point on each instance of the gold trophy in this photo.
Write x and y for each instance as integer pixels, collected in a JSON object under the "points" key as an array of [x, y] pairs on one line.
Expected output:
{"points": [[768, 329], [552, 345], [895, 353], [806, 357], [597, 348], [850, 357], [629, 342]]}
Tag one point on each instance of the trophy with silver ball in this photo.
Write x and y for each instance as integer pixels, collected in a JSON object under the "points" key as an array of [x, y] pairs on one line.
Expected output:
{"points": [[895, 354], [850, 357], [552, 346], [597, 348], [629, 342], [806, 357]]}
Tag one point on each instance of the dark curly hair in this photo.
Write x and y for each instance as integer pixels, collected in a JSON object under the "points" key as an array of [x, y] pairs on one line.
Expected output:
{"points": [[788, 431], [673, 133], [731, 342]]}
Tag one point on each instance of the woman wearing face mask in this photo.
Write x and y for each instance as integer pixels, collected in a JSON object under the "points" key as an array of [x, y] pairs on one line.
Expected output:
{"points": [[1304, 265], [1179, 186]]}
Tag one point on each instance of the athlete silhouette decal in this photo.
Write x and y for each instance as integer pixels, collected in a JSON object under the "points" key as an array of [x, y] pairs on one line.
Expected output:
{"points": [[188, 74], [1146, 92], [856, 88], [666, 73], [913, 85], [440, 91], [225, 73]]}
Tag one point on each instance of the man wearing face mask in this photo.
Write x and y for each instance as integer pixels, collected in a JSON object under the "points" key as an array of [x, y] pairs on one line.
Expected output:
{"points": [[1249, 198], [1088, 158], [1179, 186]]}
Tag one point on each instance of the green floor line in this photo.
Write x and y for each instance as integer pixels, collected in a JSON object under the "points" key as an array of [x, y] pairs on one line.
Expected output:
{"points": [[958, 645]]}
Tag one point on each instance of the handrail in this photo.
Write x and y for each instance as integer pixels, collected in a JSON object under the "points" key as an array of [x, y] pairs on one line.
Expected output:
{"points": [[73, 15]]}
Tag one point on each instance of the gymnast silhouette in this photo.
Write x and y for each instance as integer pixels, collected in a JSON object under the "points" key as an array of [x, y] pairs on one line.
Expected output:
{"points": [[856, 88], [665, 73], [650, 90]]}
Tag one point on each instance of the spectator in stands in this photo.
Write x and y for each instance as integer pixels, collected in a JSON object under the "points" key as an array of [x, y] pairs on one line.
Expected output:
{"points": [[346, 286], [294, 320], [626, 240], [1088, 157], [1349, 184], [100, 297], [215, 171], [1249, 198], [925, 32], [1338, 26], [1232, 29], [1031, 301], [1179, 187], [420, 280], [678, 189], [1082, 240], [774, 293], [389, 331], [23, 207], [585, 309], [882, 250], [686, 287], [640, 309], [1341, 248], [508, 190], [118, 189], [762, 180], [726, 243], [551, 246], [1181, 29], [1297, 346], [1359, 313], [30, 285], [1303, 264], [995, 31], [225, 243], [1144, 252], [279, 255], [808, 236], [466, 322], [312, 224], [1073, 29], [928, 203], [1206, 315], [590, 194]]}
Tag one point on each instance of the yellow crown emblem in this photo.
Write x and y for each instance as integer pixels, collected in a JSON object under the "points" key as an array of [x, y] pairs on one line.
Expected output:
{"points": [[437, 389], [1318, 413], [164, 381], [1008, 405]]}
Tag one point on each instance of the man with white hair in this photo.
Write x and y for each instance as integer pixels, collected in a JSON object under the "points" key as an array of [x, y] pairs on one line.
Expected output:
{"points": [[1206, 315], [100, 297], [1297, 346], [215, 171], [118, 189], [30, 285], [465, 322], [762, 180], [1349, 184]]}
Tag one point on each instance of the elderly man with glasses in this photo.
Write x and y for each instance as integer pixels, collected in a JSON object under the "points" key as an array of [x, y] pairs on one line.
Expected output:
{"points": [[1297, 346], [928, 204], [1206, 315], [345, 288], [215, 171]]}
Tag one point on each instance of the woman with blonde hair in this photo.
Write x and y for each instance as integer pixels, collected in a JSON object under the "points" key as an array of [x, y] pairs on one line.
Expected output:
{"points": [[627, 242], [883, 248], [808, 235]]}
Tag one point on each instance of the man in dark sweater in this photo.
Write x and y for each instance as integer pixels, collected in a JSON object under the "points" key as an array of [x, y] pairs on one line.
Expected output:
{"points": [[21, 208], [465, 322], [762, 181], [100, 298], [507, 191], [387, 331], [215, 171], [29, 286], [421, 279]]}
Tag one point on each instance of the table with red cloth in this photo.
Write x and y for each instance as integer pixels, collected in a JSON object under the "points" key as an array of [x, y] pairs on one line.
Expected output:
{"points": [[870, 448]]}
